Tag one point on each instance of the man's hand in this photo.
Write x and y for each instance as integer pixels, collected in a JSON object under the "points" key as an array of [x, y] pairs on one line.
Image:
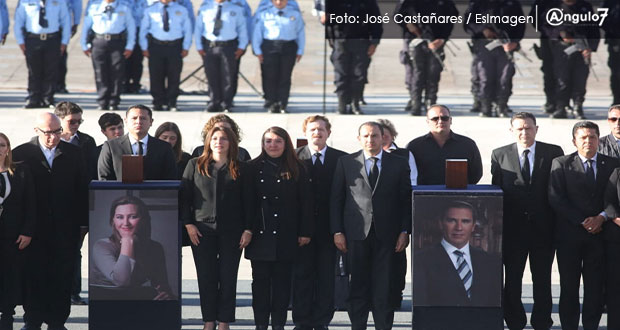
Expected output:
{"points": [[322, 18], [436, 44], [489, 33], [616, 221], [303, 240], [371, 50], [193, 233], [23, 48], [593, 224], [261, 58], [3, 38], [246, 238], [184, 53], [341, 242], [202, 53], [238, 53], [402, 242], [298, 58], [88, 53], [127, 53], [63, 48], [145, 53], [586, 53], [510, 46], [23, 241]]}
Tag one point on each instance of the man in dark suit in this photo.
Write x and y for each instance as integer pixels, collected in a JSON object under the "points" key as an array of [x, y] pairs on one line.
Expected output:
{"points": [[59, 176], [70, 115], [576, 190], [313, 299], [608, 144], [159, 161], [370, 218], [522, 170], [612, 250], [453, 273]]}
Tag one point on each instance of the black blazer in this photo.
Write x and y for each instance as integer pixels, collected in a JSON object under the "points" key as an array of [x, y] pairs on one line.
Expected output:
{"points": [[525, 203], [19, 208], [608, 146], [61, 191], [437, 283], [354, 205], [88, 145], [573, 199], [321, 185], [234, 199], [181, 164], [159, 162], [611, 231]]}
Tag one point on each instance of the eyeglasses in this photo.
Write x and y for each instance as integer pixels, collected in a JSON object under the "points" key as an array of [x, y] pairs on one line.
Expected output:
{"points": [[612, 119], [443, 118], [76, 121], [49, 133]]}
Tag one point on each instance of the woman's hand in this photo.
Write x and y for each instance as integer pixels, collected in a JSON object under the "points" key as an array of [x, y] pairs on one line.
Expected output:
{"points": [[246, 238], [193, 233], [23, 241], [162, 295], [303, 240]]}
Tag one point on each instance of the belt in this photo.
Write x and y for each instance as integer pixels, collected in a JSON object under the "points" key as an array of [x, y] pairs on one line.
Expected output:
{"points": [[219, 43], [42, 36], [279, 42], [166, 42], [111, 36]]}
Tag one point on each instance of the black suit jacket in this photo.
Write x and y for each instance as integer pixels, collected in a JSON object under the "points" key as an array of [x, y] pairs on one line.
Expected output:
{"points": [[159, 162], [321, 184], [573, 199], [19, 208], [608, 146], [355, 206], [61, 191], [88, 145], [611, 230], [525, 207], [437, 283]]}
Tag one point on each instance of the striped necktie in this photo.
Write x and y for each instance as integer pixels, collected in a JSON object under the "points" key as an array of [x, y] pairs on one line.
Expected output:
{"points": [[464, 271]]}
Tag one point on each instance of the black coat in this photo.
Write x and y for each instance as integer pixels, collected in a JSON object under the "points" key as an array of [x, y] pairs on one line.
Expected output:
{"points": [[19, 208], [283, 212], [608, 146], [61, 191], [611, 230], [181, 164], [159, 162]]}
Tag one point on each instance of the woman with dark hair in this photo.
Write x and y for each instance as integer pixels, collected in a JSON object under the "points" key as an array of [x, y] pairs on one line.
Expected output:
{"points": [[129, 264], [170, 133], [222, 120], [285, 221], [216, 208], [17, 222]]}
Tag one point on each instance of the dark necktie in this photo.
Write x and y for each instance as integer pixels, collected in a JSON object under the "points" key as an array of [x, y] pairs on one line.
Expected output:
{"points": [[318, 163], [42, 18], [462, 268], [525, 169], [590, 171], [166, 19], [109, 10], [2, 185], [218, 21], [374, 173], [140, 149], [280, 13]]}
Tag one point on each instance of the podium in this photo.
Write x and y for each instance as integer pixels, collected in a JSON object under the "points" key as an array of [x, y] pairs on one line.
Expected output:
{"points": [[134, 256], [462, 290]]}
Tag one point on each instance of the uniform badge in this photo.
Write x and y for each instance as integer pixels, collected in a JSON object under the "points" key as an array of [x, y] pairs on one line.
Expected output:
{"points": [[178, 13], [121, 13], [232, 13], [292, 18], [55, 3]]}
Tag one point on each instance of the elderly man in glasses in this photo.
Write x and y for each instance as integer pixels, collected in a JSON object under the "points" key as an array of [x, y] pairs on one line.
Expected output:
{"points": [[431, 150], [608, 144], [59, 176]]}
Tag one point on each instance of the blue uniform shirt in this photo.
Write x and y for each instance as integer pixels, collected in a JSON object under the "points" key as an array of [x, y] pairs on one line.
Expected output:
{"points": [[185, 3], [27, 16], [119, 20], [75, 11], [247, 12], [266, 4], [4, 19], [234, 25], [278, 24], [137, 8], [153, 24]]}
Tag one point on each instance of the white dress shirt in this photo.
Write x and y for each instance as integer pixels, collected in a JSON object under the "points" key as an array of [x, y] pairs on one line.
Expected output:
{"points": [[7, 190], [48, 153], [413, 169], [322, 151], [368, 161], [530, 156], [135, 146], [453, 257]]}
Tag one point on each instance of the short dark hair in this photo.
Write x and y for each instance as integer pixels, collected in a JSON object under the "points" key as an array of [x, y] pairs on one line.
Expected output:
{"points": [[441, 106], [459, 204], [142, 107], [586, 124], [66, 108], [523, 116], [614, 107], [370, 123], [109, 119], [387, 124]]}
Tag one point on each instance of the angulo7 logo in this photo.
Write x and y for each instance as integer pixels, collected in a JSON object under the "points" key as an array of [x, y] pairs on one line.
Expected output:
{"points": [[557, 17]]}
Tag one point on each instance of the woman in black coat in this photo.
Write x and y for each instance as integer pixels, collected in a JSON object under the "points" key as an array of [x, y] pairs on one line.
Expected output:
{"points": [[285, 221], [216, 208], [17, 221]]}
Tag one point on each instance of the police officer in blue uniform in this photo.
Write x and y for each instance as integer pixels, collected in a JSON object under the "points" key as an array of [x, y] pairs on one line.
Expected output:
{"points": [[42, 30], [185, 3], [221, 38], [133, 65], [165, 38], [494, 45], [4, 21], [278, 41], [571, 47], [612, 38], [109, 29], [75, 11]]}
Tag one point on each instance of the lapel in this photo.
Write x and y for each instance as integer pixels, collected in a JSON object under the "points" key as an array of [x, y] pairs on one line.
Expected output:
{"points": [[327, 159], [451, 272], [126, 145], [150, 147], [614, 145], [362, 161], [601, 167], [513, 159], [305, 154], [577, 167], [539, 155], [58, 152], [385, 161], [40, 154]]}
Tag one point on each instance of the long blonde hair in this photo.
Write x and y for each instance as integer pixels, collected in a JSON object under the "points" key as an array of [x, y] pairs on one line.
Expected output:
{"points": [[8, 161]]}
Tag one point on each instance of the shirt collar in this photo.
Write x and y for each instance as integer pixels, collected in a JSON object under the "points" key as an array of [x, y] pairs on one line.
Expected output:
{"points": [[378, 156], [451, 248], [322, 151], [144, 140], [45, 149], [74, 136], [531, 148], [584, 159]]}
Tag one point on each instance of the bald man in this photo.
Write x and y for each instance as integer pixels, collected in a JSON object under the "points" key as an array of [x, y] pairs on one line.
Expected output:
{"points": [[61, 186]]}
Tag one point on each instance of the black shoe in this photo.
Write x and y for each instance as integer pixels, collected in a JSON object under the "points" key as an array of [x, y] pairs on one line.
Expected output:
{"points": [[62, 90], [476, 106], [300, 327], [283, 110], [559, 114], [212, 107], [77, 300], [578, 112], [342, 106], [158, 107], [355, 107], [113, 107], [28, 326], [32, 105], [57, 327], [173, 108], [274, 108], [408, 107], [321, 327], [277, 327], [261, 327], [548, 108], [49, 104]]}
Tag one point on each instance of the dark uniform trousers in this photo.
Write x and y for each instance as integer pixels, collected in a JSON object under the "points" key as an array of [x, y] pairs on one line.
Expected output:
{"points": [[423, 73], [549, 80], [278, 61], [475, 81], [371, 264], [495, 72], [271, 297], [165, 65], [217, 262], [220, 67], [42, 58], [62, 71], [350, 59], [613, 284], [133, 68], [613, 47], [571, 74], [109, 65]]}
